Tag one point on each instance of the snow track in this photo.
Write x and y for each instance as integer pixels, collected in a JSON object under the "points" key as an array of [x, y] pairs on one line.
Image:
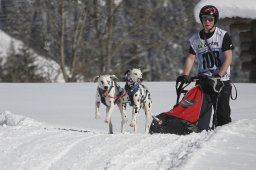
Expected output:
{"points": [[39, 148], [29, 145]]}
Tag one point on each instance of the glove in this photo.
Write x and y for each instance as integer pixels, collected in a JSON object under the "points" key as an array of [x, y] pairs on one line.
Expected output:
{"points": [[217, 87], [183, 79], [216, 76]]}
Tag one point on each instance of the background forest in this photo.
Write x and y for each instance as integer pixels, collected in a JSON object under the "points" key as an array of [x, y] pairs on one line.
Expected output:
{"points": [[91, 37]]}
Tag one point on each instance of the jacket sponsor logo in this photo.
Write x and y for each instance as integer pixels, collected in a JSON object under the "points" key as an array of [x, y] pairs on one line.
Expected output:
{"points": [[202, 45]]}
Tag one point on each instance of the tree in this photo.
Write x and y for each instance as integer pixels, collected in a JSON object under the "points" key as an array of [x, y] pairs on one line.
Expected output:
{"points": [[92, 37], [19, 67]]}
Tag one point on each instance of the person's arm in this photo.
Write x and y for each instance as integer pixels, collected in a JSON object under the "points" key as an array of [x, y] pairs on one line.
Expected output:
{"points": [[227, 62], [227, 48], [190, 59]]}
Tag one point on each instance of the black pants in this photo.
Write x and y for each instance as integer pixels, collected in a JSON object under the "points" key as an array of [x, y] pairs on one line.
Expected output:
{"points": [[223, 111], [219, 101]]}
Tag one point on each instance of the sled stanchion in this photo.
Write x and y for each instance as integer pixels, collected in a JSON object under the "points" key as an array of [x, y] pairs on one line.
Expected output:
{"points": [[180, 87], [179, 91], [156, 119]]}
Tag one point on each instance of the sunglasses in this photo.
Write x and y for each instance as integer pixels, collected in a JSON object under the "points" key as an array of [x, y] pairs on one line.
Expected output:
{"points": [[208, 18]]}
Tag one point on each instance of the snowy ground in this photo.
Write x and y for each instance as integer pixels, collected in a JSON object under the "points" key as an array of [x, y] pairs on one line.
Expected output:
{"points": [[33, 117]]}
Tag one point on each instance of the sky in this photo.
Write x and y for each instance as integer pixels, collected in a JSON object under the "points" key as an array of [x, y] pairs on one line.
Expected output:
{"points": [[33, 119]]}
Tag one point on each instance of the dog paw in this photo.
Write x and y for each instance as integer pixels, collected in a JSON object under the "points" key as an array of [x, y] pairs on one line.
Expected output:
{"points": [[97, 116], [106, 120], [125, 119], [132, 124]]}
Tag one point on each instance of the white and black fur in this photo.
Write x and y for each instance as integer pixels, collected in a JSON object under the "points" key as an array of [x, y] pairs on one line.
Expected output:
{"points": [[110, 93], [139, 97]]}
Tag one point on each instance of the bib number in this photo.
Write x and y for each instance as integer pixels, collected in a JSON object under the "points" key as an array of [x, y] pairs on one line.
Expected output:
{"points": [[210, 61]]}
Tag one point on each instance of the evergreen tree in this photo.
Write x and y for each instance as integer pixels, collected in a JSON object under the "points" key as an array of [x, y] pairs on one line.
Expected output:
{"points": [[19, 67]]}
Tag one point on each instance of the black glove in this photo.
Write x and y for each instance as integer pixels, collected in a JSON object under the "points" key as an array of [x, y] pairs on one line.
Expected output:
{"points": [[216, 76], [217, 87], [183, 79]]}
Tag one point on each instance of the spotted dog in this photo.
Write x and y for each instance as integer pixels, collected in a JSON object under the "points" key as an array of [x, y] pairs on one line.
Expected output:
{"points": [[110, 93], [139, 97]]}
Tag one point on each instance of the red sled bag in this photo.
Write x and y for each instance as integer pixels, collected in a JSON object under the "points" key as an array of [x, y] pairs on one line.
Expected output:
{"points": [[191, 114], [189, 107]]}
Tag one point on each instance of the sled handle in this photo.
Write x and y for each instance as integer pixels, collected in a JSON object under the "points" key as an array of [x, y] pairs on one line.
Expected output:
{"points": [[181, 85], [214, 79], [180, 89]]}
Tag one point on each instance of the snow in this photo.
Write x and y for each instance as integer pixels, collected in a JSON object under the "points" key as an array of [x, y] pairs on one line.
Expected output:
{"points": [[229, 8], [52, 126], [47, 68], [5, 42], [35, 123]]}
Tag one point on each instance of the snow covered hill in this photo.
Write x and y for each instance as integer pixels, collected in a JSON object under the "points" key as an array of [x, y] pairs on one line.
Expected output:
{"points": [[33, 135], [47, 68], [30, 145]]}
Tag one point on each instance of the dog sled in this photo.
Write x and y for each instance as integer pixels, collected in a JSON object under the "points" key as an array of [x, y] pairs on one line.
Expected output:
{"points": [[191, 114]]}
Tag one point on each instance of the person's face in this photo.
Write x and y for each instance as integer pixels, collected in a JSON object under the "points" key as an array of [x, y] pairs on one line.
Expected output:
{"points": [[208, 22]]}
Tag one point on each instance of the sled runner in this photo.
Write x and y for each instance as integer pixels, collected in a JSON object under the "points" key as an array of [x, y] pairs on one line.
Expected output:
{"points": [[191, 114]]}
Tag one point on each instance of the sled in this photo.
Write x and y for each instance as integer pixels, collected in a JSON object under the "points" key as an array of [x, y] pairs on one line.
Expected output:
{"points": [[191, 114]]}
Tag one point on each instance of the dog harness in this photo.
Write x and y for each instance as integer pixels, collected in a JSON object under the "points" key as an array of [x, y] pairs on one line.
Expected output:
{"points": [[105, 94], [131, 89]]}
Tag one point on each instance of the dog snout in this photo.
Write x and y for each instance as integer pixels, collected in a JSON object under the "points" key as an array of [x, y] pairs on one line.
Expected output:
{"points": [[105, 87]]}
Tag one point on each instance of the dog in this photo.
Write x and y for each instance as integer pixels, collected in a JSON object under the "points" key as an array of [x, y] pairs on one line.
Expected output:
{"points": [[110, 93], [139, 97]]}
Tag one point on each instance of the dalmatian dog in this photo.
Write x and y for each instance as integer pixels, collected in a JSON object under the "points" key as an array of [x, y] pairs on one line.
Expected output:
{"points": [[110, 93], [139, 97]]}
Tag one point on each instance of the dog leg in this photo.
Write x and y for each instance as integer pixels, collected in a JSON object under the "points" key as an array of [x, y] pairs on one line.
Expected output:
{"points": [[147, 109], [135, 110], [97, 113], [122, 108], [108, 119], [110, 127], [134, 118], [97, 105], [134, 123], [109, 110], [147, 123]]}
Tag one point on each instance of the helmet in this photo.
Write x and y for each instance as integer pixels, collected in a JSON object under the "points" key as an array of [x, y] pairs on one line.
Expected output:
{"points": [[209, 10]]}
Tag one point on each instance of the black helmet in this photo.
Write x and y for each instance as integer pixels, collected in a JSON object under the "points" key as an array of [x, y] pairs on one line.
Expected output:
{"points": [[209, 10]]}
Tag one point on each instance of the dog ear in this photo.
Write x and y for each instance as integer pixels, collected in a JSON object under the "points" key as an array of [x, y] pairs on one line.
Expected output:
{"points": [[113, 77], [95, 79], [126, 74]]}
